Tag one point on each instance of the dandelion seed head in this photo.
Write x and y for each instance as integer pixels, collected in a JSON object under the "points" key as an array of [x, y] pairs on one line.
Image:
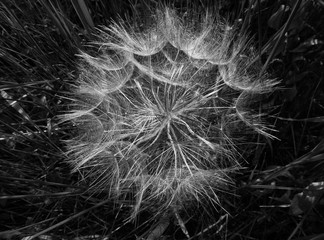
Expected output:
{"points": [[158, 109]]}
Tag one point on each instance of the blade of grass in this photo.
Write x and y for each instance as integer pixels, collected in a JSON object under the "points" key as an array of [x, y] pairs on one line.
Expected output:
{"points": [[15, 105], [58, 194], [10, 18], [81, 9], [41, 135], [282, 33], [68, 219], [58, 20], [25, 227], [259, 27], [29, 37]]}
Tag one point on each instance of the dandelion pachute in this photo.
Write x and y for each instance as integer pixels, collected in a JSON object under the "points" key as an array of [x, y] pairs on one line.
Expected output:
{"points": [[161, 112]]}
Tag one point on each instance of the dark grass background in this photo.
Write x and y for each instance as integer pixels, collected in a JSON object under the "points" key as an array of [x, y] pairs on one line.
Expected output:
{"points": [[280, 192]]}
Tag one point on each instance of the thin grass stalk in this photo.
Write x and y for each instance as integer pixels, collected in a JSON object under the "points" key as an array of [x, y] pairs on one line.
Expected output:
{"points": [[282, 33], [84, 15], [68, 220], [58, 20]]}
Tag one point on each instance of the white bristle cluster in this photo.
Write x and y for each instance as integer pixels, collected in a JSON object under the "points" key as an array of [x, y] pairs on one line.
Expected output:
{"points": [[161, 108]]}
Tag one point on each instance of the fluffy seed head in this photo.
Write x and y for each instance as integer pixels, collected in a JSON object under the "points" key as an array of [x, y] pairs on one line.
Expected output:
{"points": [[160, 108]]}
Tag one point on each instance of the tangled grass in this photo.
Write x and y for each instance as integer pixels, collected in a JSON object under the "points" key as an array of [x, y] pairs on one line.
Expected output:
{"points": [[163, 108]]}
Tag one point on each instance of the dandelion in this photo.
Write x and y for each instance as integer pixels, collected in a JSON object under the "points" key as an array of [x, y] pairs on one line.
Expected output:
{"points": [[159, 108]]}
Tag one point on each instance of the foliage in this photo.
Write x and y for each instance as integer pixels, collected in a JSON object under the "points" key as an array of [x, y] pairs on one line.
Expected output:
{"points": [[279, 192]]}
